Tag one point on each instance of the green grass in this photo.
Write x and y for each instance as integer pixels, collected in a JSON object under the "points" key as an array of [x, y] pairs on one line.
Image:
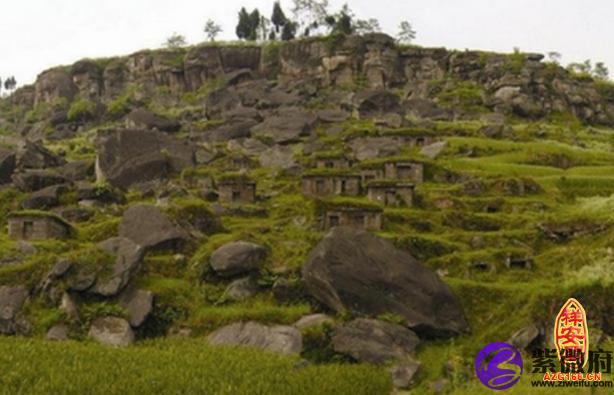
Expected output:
{"points": [[172, 367]]}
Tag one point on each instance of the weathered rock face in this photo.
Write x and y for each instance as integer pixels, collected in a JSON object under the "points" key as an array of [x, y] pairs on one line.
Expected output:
{"points": [[11, 301], [522, 86], [127, 157], [128, 258], [280, 339], [374, 341], [112, 331], [148, 227], [204, 63], [54, 84], [353, 270], [87, 78], [237, 258]]}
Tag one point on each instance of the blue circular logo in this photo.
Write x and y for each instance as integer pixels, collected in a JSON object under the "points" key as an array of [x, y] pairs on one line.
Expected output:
{"points": [[498, 366]]}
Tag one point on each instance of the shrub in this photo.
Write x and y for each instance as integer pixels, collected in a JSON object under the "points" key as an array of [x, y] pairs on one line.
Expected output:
{"points": [[119, 107], [81, 110]]}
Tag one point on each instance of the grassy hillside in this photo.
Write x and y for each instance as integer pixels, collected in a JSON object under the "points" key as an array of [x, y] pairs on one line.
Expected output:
{"points": [[171, 367], [541, 190]]}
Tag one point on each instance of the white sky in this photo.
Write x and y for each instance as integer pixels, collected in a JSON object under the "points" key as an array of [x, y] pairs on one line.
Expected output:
{"points": [[38, 34]]}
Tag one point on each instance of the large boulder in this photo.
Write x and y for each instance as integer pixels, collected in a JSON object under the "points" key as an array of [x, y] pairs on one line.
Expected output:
{"points": [[7, 165], [375, 103], [11, 301], [286, 126], [148, 227], [77, 170], [374, 147], [138, 305], [112, 331], [280, 339], [35, 156], [237, 258], [45, 198], [34, 180], [143, 119], [128, 257], [374, 341], [127, 157], [352, 270], [233, 129]]}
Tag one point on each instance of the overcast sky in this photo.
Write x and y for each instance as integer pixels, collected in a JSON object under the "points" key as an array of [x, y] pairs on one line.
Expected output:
{"points": [[38, 34]]}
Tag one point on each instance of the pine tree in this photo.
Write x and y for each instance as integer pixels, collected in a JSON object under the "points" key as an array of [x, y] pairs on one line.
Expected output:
{"points": [[242, 29], [289, 31], [278, 17], [254, 23]]}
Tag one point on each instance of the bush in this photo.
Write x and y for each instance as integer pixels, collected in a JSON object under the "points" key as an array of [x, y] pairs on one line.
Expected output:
{"points": [[81, 110], [119, 107]]}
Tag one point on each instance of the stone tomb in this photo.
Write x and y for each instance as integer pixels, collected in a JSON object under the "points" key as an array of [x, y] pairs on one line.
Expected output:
{"points": [[331, 184], [391, 193], [238, 189], [37, 226]]}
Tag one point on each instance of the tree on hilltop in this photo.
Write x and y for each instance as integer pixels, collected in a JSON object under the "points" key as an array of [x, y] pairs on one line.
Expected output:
{"points": [[247, 26], [406, 33], [278, 18], [175, 40], [212, 29]]}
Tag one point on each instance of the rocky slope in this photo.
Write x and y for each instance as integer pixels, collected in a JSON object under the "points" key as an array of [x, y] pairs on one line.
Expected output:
{"points": [[341, 198]]}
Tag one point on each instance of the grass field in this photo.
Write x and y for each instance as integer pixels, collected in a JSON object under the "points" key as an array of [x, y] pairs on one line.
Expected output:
{"points": [[173, 366]]}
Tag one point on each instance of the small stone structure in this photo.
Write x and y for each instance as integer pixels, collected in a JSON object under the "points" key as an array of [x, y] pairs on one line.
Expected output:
{"points": [[357, 216], [394, 170], [236, 189], [410, 171], [331, 184], [31, 225], [391, 193]]}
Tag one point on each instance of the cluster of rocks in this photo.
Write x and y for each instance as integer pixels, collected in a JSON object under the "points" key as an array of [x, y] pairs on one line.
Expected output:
{"points": [[522, 85], [355, 273]]}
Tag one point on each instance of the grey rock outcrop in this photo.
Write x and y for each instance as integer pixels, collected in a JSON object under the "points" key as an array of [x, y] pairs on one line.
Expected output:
{"points": [[112, 331], [148, 227], [11, 301], [127, 157], [373, 341], [352, 270], [128, 257], [237, 258], [279, 339]]}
